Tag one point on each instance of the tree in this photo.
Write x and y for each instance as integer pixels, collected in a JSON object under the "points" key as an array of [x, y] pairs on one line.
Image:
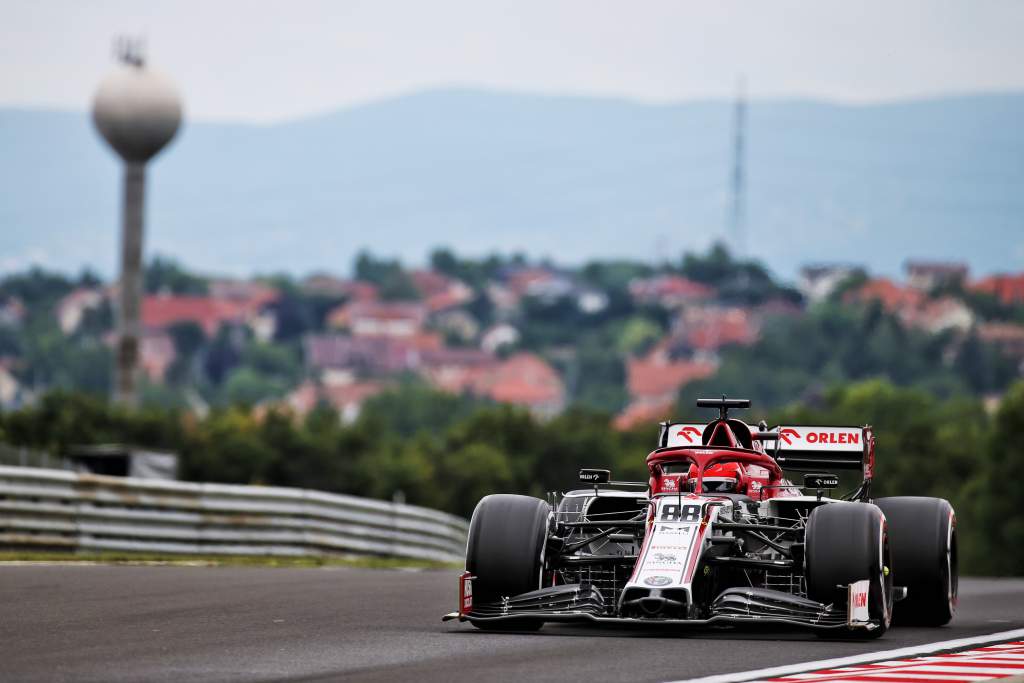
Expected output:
{"points": [[508, 429], [798, 356], [999, 497], [475, 470], [444, 261], [746, 282], [63, 419], [391, 280], [273, 360], [414, 407], [228, 447], [982, 366], [10, 341], [637, 335], [49, 359], [165, 275], [38, 289], [299, 312], [714, 268], [614, 275], [473, 272], [188, 337], [247, 386], [96, 322], [223, 353], [304, 453], [598, 377]]}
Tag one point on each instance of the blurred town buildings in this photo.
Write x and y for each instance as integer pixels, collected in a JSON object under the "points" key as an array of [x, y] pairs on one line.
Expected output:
{"points": [[505, 337]]}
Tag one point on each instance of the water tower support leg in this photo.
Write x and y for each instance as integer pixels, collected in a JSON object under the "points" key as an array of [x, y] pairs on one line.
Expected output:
{"points": [[129, 310]]}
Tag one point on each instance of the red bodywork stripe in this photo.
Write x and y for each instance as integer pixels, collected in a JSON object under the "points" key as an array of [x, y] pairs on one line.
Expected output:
{"points": [[698, 543], [893, 678]]}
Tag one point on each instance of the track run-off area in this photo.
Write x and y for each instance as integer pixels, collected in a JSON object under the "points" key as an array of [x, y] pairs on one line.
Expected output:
{"points": [[172, 623]]}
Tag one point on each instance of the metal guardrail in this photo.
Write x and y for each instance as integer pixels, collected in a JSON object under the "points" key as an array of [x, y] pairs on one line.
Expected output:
{"points": [[45, 509]]}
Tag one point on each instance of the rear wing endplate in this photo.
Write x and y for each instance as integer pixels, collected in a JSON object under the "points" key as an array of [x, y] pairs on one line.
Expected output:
{"points": [[674, 435]]}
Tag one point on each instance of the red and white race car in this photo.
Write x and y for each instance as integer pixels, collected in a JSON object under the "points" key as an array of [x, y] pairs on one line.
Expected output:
{"points": [[718, 535]]}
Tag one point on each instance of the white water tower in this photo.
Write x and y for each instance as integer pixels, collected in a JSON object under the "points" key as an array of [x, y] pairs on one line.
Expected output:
{"points": [[137, 111]]}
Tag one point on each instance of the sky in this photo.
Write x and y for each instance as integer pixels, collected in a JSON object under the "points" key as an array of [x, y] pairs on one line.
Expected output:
{"points": [[262, 62]]}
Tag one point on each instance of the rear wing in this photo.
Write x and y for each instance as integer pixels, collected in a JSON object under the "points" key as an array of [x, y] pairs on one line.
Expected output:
{"points": [[829, 448], [815, 448], [797, 447]]}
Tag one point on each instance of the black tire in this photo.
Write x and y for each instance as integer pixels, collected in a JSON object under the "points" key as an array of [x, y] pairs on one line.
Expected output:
{"points": [[924, 549], [844, 543], [505, 552]]}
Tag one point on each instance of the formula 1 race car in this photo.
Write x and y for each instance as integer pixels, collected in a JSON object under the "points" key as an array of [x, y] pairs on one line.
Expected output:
{"points": [[717, 536]]}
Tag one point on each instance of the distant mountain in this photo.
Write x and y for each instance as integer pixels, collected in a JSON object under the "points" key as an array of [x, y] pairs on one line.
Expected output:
{"points": [[567, 177]]}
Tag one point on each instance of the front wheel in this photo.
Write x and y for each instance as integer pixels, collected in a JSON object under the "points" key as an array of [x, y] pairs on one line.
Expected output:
{"points": [[505, 552], [845, 543]]}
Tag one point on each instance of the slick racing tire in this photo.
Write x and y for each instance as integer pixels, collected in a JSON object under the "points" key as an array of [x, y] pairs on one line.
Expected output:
{"points": [[844, 543], [505, 552], [924, 549]]}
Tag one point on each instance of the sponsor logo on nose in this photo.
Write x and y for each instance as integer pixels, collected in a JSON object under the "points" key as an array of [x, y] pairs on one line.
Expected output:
{"points": [[657, 580]]}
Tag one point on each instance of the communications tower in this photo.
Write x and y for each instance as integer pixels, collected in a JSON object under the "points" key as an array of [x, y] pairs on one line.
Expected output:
{"points": [[737, 217]]}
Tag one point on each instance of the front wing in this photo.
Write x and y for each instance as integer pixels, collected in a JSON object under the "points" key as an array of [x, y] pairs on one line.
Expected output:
{"points": [[733, 607]]}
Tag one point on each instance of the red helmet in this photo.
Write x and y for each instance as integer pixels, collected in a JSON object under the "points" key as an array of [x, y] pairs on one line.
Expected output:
{"points": [[722, 477]]}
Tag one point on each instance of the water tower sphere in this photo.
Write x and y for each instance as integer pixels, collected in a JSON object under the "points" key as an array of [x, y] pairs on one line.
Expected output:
{"points": [[137, 110]]}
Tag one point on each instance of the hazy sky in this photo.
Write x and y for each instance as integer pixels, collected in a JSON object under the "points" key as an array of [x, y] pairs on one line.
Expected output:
{"points": [[266, 61]]}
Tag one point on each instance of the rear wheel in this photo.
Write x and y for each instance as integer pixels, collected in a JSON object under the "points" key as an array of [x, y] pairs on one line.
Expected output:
{"points": [[845, 543], [505, 553], [923, 532]]}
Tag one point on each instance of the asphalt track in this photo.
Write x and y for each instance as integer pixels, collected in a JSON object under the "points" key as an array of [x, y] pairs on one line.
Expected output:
{"points": [[164, 623]]}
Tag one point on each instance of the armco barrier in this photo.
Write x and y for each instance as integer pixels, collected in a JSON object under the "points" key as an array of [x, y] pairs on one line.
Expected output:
{"points": [[44, 509]]}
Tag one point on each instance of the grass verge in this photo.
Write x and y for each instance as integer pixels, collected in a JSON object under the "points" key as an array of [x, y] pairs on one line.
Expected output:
{"points": [[366, 562]]}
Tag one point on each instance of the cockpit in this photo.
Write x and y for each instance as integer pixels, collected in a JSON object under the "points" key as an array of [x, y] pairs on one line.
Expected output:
{"points": [[719, 478]]}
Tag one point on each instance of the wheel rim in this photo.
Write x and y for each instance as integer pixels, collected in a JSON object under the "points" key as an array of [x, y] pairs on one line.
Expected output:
{"points": [[952, 565]]}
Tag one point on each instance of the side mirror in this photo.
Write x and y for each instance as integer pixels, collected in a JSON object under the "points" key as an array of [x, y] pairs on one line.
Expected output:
{"points": [[821, 481], [595, 476]]}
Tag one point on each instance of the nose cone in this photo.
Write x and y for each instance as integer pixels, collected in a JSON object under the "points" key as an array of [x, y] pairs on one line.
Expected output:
{"points": [[137, 110]]}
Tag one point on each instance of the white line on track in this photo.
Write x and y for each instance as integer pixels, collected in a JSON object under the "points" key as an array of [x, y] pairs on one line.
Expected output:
{"points": [[881, 655]]}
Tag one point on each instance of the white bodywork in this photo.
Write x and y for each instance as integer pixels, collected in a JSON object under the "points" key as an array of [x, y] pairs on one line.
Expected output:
{"points": [[673, 546]]}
